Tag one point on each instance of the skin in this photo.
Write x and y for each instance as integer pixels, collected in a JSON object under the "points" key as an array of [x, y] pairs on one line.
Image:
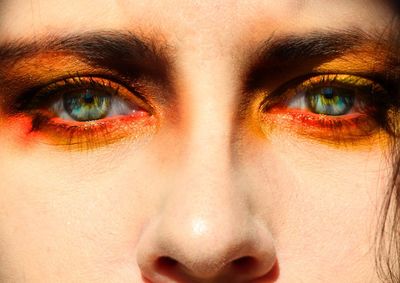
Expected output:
{"points": [[225, 196]]}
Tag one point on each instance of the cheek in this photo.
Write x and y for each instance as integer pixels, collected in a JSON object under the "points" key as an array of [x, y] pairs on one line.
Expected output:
{"points": [[19, 128], [85, 216], [321, 203]]}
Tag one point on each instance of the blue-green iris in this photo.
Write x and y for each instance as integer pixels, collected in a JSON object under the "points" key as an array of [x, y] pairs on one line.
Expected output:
{"points": [[87, 105], [333, 101]]}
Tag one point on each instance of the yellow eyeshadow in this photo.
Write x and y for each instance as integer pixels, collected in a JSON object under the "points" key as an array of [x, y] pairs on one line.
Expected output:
{"points": [[364, 59], [354, 81], [48, 67]]}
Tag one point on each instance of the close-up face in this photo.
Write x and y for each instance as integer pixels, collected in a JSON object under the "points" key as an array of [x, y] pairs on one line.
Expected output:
{"points": [[196, 141]]}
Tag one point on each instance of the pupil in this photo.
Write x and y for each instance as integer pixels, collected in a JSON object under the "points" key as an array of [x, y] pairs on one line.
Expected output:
{"points": [[328, 92], [88, 98]]}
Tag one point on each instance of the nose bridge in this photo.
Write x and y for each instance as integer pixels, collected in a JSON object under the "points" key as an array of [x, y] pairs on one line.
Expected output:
{"points": [[204, 202], [208, 109], [204, 197]]}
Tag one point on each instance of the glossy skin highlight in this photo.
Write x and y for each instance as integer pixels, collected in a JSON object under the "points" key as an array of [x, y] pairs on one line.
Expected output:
{"points": [[202, 186]]}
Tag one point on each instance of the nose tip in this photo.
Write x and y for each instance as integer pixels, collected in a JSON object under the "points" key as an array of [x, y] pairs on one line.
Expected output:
{"points": [[207, 254]]}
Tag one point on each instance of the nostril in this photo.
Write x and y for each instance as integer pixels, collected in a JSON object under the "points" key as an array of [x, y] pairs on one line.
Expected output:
{"points": [[244, 264], [170, 268], [166, 263]]}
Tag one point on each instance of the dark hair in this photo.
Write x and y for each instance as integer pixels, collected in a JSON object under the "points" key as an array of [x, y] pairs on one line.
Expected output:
{"points": [[388, 236]]}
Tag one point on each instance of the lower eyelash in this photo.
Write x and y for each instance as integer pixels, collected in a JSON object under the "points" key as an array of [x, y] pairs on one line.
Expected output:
{"points": [[321, 127], [89, 135]]}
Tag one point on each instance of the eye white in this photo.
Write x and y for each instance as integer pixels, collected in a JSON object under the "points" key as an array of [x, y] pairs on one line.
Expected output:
{"points": [[299, 101]]}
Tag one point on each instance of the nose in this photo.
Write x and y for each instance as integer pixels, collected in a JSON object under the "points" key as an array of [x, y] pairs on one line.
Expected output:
{"points": [[206, 232], [206, 229]]}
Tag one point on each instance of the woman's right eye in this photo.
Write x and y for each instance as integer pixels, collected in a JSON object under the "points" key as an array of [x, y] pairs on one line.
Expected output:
{"points": [[91, 104], [87, 112]]}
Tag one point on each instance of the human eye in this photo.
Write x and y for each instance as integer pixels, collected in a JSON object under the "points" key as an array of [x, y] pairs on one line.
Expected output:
{"points": [[84, 112], [330, 107], [85, 100]]}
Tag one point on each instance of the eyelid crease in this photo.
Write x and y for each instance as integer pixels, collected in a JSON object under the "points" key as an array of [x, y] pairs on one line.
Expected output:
{"points": [[346, 79]]}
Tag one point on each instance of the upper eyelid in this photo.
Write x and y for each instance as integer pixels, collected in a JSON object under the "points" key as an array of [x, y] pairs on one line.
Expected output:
{"points": [[373, 77]]}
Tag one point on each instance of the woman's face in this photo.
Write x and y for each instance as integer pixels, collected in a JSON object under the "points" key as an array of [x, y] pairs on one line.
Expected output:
{"points": [[191, 141]]}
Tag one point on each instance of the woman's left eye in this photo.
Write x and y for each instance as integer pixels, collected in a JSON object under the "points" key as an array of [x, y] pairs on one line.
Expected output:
{"points": [[332, 95], [332, 101], [335, 107]]}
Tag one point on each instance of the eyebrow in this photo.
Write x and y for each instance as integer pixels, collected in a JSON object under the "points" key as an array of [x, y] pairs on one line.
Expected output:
{"points": [[314, 44], [279, 54], [123, 52]]}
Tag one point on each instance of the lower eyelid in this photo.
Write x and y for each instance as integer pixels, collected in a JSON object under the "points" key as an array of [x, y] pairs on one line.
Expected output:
{"points": [[90, 135], [336, 130], [37, 128]]}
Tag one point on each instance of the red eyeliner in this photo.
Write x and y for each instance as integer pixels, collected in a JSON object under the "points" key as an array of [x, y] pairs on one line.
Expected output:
{"points": [[80, 135], [350, 127], [310, 119]]}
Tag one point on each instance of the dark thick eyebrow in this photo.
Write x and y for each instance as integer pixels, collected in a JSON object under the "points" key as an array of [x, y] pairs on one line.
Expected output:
{"points": [[122, 52], [281, 54], [311, 45]]}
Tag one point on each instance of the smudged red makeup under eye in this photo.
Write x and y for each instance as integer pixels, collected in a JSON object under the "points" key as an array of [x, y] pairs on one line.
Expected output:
{"points": [[33, 130], [331, 108]]}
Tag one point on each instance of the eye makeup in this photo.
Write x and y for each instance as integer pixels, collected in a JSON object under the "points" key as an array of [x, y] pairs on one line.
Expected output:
{"points": [[341, 102], [86, 109]]}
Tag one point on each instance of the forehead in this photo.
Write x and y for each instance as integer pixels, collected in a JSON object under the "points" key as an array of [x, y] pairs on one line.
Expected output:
{"points": [[223, 19]]}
